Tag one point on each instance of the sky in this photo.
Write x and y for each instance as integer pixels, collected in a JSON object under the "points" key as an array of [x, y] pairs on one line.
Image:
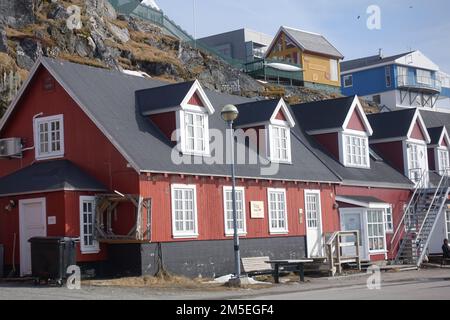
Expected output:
{"points": [[405, 24]]}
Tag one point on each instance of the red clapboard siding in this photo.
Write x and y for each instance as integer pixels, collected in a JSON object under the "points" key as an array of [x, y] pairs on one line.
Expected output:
{"points": [[195, 100], [392, 152], [330, 142], [166, 122], [280, 116], [85, 145], [62, 205], [396, 197], [417, 132], [210, 206], [356, 122]]}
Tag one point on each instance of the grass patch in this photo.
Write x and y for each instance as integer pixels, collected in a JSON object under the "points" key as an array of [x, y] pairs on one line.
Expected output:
{"points": [[81, 60]]}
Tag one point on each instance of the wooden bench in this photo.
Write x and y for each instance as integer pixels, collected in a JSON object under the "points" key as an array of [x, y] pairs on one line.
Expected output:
{"points": [[256, 266]]}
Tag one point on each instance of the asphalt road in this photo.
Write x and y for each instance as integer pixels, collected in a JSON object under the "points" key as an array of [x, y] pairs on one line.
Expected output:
{"points": [[414, 285]]}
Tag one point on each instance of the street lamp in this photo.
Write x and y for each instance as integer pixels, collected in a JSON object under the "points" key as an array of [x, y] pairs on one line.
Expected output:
{"points": [[229, 114]]}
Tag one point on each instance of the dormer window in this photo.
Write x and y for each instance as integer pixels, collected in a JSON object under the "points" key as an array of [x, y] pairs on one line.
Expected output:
{"points": [[280, 143], [356, 151], [49, 137], [444, 161], [196, 133], [181, 111]]}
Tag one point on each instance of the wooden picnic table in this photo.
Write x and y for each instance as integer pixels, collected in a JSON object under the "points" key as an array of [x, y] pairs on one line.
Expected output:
{"points": [[300, 264]]}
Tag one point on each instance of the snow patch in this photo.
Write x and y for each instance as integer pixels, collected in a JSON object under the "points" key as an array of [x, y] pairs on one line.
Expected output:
{"points": [[151, 4], [225, 279]]}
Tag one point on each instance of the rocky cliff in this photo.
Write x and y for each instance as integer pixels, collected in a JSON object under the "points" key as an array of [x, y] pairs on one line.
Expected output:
{"points": [[90, 32]]}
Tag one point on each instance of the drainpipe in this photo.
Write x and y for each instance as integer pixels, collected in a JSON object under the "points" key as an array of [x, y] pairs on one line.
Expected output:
{"points": [[34, 118]]}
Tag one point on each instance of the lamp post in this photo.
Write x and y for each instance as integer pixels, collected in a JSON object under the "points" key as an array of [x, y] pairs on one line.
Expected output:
{"points": [[229, 115]]}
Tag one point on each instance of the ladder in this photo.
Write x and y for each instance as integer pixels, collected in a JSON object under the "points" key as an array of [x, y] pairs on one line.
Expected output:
{"points": [[419, 220]]}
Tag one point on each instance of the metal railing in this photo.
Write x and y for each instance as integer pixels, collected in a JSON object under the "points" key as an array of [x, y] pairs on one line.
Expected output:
{"points": [[419, 189], [414, 81], [160, 19], [335, 254]]}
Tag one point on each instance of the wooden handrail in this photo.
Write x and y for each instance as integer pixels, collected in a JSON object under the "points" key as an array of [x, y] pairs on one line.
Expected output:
{"points": [[334, 246]]}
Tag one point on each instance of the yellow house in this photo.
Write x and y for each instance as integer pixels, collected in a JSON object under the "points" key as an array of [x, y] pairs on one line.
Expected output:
{"points": [[312, 52]]}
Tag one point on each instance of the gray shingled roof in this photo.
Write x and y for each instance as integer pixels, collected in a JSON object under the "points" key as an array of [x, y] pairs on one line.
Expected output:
{"points": [[49, 176], [163, 97], [369, 61], [251, 112], [331, 114], [434, 119], [394, 124], [435, 134], [109, 97], [326, 114], [313, 42]]}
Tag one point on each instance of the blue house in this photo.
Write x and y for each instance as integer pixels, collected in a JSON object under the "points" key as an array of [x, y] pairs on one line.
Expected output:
{"points": [[407, 80]]}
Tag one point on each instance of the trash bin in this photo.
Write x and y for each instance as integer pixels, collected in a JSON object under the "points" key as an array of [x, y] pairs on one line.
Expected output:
{"points": [[2, 266], [50, 258]]}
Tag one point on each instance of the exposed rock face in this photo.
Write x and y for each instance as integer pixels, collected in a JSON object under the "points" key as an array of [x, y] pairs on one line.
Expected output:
{"points": [[31, 28], [17, 13]]}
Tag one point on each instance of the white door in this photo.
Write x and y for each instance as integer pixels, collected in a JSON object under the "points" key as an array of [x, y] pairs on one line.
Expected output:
{"points": [[313, 214], [32, 221], [418, 163], [351, 220]]}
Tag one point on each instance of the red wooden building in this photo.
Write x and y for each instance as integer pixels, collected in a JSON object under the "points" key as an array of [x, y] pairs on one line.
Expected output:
{"points": [[138, 169]]}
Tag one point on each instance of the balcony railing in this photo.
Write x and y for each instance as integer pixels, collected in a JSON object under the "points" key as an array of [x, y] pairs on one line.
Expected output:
{"points": [[419, 82]]}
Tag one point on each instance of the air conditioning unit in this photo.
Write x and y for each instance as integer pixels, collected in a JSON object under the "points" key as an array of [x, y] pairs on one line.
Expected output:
{"points": [[11, 148]]}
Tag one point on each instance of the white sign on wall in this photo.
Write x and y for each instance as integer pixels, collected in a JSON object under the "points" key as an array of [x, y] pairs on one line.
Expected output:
{"points": [[257, 209]]}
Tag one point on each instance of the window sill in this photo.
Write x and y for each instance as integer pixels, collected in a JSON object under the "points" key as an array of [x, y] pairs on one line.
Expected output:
{"points": [[373, 253], [230, 235], [283, 232], [186, 236], [49, 157], [90, 252]]}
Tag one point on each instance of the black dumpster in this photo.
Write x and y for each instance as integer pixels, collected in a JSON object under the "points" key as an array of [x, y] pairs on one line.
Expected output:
{"points": [[50, 258]]}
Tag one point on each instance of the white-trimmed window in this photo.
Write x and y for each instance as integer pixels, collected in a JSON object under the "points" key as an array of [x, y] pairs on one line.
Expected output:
{"points": [[388, 76], [280, 144], [277, 211], [375, 230], [184, 211], [196, 133], [348, 81], [389, 220], [356, 151], [49, 137], [240, 210], [443, 161], [89, 244], [423, 76]]}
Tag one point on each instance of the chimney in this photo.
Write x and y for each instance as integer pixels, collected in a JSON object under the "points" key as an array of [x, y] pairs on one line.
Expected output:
{"points": [[380, 53]]}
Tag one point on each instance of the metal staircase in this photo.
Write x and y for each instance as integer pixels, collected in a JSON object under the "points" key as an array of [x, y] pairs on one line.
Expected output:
{"points": [[419, 220]]}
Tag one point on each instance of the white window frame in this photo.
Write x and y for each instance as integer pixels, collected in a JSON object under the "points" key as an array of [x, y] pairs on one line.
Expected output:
{"points": [[363, 154], [381, 223], [389, 219], [190, 233], [273, 156], [423, 76], [334, 70], [37, 137], [95, 246], [182, 125], [277, 230], [230, 231], [443, 164], [388, 75], [348, 76]]}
